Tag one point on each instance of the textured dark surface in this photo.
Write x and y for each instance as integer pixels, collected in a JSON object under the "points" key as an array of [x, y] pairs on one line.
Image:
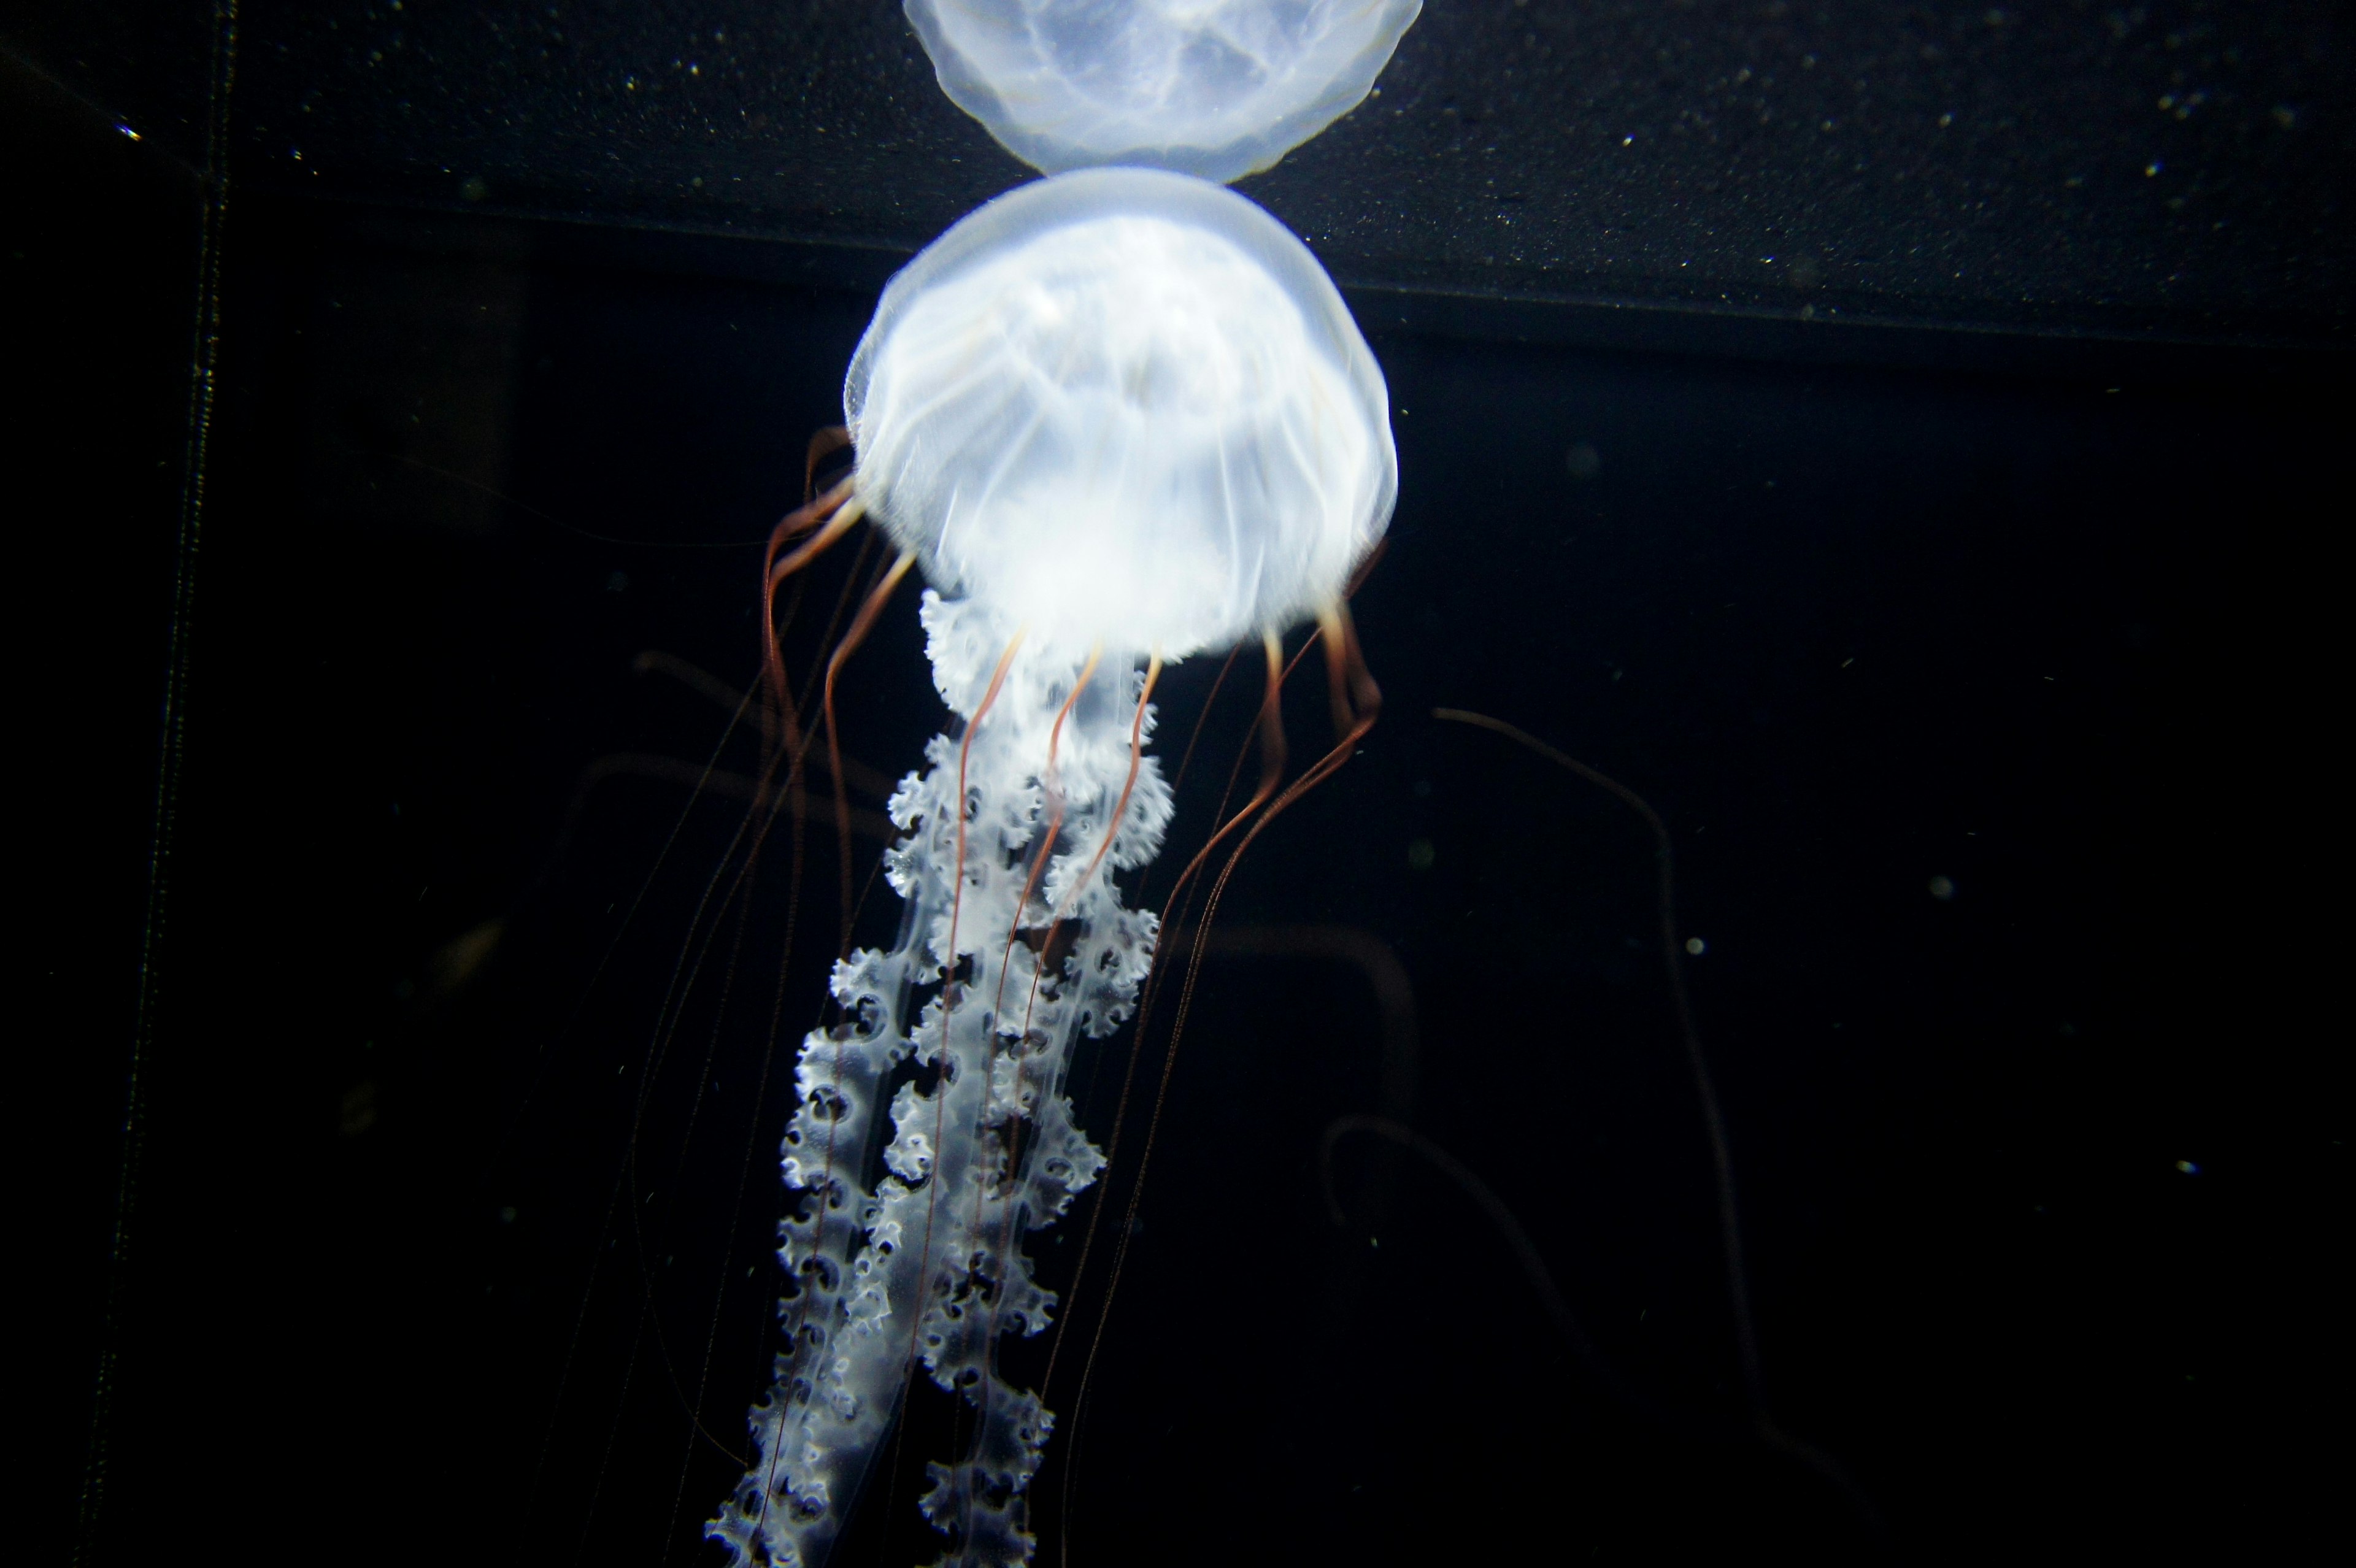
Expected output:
{"points": [[1983, 708], [2178, 168]]}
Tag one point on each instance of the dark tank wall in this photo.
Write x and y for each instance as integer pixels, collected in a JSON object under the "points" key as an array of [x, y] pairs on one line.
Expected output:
{"points": [[1973, 707], [399, 1178], [2176, 167]]}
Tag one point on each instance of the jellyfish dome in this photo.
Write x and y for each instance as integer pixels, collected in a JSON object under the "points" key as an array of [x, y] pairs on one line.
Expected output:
{"points": [[1218, 89], [1126, 408]]}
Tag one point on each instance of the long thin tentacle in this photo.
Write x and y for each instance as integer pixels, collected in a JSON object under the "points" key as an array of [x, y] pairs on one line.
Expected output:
{"points": [[1365, 706], [860, 625], [1737, 1283]]}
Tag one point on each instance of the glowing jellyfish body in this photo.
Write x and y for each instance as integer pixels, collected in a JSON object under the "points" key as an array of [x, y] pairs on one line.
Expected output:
{"points": [[1126, 406], [1218, 89], [1118, 415]]}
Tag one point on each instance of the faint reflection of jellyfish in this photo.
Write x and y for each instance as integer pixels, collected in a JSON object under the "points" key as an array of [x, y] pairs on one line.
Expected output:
{"points": [[1121, 417], [1218, 89]]}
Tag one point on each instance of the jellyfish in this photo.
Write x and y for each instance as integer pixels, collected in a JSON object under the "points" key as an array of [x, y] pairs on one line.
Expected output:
{"points": [[1219, 88], [1120, 417]]}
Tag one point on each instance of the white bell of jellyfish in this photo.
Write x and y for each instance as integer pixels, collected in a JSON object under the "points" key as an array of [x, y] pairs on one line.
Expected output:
{"points": [[1219, 88], [1121, 417]]}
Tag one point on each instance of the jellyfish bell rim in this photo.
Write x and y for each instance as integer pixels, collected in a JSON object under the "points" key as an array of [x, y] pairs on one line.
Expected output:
{"points": [[1253, 149], [1032, 212]]}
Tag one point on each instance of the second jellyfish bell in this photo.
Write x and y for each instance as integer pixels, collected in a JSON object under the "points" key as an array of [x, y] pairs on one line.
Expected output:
{"points": [[1218, 89]]}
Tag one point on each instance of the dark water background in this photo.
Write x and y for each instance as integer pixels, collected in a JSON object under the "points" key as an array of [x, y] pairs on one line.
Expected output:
{"points": [[1988, 711]]}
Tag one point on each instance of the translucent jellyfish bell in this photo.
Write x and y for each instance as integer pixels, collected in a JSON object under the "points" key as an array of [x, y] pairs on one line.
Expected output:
{"points": [[1218, 89], [1127, 408]]}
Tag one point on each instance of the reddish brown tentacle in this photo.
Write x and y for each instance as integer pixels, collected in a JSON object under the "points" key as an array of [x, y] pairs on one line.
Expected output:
{"points": [[948, 975], [1361, 684], [1120, 809], [824, 444], [1112, 827], [1119, 806], [1194, 736], [1271, 740], [818, 513], [1273, 752], [1337, 653], [860, 625], [1046, 842]]}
